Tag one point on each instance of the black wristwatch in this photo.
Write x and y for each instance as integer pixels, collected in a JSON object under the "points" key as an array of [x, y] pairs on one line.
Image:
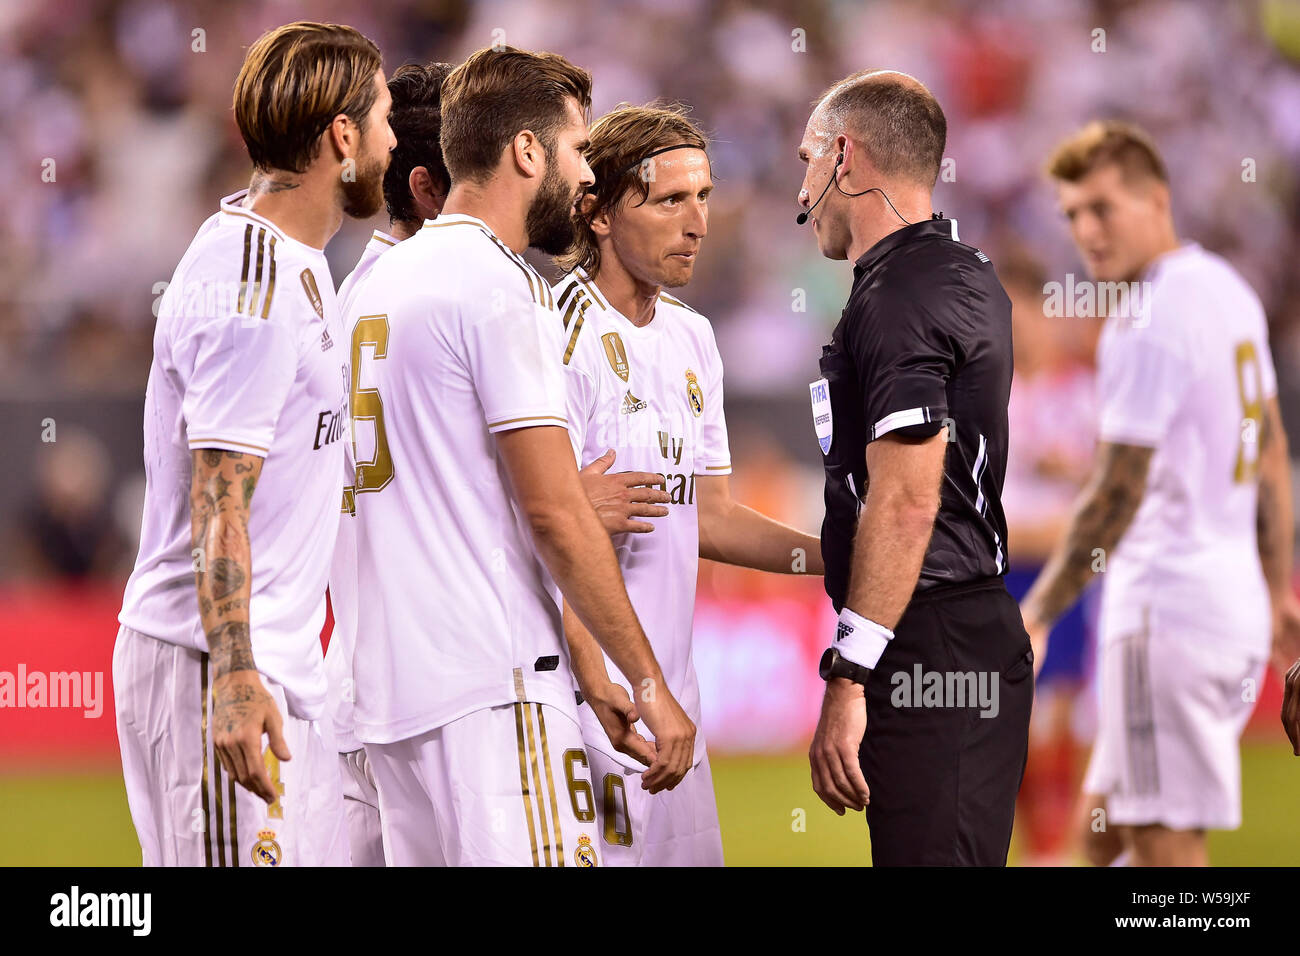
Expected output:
{"points": [[832, 665]]}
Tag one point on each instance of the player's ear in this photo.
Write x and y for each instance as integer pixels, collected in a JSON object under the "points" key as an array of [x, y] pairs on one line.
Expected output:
{"points": [[527, 153], [428, 199], [602, 222], [1160, 197], [343, 136]]}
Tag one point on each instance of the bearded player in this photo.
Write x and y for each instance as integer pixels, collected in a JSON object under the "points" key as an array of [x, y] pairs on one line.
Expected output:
{"points": [[247, 398], [469, 504], [645, 380]]}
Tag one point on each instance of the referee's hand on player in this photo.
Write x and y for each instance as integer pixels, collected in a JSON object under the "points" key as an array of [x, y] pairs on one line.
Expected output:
{"points": [[836, 773], [621, 498], [242, 711]]}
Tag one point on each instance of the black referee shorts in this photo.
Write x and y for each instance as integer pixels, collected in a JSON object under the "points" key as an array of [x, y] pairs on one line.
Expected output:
{"points": [[948, 729]]}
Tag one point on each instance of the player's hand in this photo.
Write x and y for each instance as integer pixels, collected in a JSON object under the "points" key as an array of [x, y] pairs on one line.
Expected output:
{"points": [[836, 771], [617, 715], [622, 497], [1038, 634], [1291, 707], [1286, 632], [674, 738], [242, 711]]}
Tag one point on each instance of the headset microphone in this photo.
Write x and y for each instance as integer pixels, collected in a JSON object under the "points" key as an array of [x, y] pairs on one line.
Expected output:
{"points": [[803, 216]]}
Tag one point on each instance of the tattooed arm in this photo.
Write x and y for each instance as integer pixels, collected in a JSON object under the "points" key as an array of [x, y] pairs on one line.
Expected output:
{"points": [[1104, 511], [1275, 527], [242, 710]]}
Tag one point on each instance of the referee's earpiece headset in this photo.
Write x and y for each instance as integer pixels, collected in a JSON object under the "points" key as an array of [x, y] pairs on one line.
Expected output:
{"points": [[835, 181]]}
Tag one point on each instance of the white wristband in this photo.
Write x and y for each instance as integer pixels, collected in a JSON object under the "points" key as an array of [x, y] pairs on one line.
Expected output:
{"points": [[860, 641]]}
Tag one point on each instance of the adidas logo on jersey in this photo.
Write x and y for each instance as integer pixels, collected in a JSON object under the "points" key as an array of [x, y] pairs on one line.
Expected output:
{"points": [[326, 343], [631, 403]]}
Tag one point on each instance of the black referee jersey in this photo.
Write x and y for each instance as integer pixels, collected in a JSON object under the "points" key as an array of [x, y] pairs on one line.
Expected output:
{"points": [[925, 339]]}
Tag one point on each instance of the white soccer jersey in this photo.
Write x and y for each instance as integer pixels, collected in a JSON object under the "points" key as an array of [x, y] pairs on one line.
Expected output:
{"points": [[1188, 376], [249, 356], [456, 337], [654, 395], [343, 568], [380, 242]]}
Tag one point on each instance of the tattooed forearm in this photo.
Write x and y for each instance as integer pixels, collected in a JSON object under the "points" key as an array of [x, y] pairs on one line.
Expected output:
{"points": [[227, 577], [1104, 513], [230, 648], [223, 569]]}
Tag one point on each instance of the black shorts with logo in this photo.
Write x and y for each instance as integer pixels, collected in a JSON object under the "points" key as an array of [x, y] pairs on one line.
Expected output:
{"points": [[944, 777]]}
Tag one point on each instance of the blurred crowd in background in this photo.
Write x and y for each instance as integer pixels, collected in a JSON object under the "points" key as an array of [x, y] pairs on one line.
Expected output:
{"points": [[121, 143]]}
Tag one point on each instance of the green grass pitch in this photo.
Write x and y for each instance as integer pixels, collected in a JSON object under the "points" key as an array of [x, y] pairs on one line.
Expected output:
{"points": [[770, 816]]}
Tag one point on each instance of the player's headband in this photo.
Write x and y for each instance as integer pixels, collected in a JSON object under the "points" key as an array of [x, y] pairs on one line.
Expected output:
{"points": [[663, 149]]}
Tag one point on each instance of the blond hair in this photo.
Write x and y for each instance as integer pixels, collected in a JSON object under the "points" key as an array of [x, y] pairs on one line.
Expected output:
{"points": [[1102, 142]]}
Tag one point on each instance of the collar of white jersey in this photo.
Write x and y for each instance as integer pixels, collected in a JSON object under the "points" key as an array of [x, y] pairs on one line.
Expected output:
{"points": [[657, 321], [232, 205], [458, 219], [1166, 259], [381, 242]]}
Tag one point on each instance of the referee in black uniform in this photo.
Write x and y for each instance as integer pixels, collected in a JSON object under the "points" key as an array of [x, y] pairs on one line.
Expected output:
{"points": [[925, 721]]}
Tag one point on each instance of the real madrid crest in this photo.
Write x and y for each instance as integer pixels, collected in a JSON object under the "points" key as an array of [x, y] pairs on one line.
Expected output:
{"points": [[585, 854], [616, 353], [266, 852], [693, 394]]}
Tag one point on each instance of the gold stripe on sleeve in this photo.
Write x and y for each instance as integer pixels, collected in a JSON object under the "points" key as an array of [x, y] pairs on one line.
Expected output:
{"points": [[270, 279], [573, 337], [203, 732], [591, 290], [564, 296], [573, 306], [530, 418], [257, 282], [520, 265], [716, 467], [537, 780], [550, 785], [243, 278], [523, 779]]}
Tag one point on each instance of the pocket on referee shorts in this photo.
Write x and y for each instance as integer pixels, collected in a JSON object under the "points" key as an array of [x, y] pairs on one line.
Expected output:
{"points": [[1021, 667]]}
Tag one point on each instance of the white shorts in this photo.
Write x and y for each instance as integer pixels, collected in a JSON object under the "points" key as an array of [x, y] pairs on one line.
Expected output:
{"points": [[361, 805], [1170, 719], [488, 789], [677, 827], [187, 811]]}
